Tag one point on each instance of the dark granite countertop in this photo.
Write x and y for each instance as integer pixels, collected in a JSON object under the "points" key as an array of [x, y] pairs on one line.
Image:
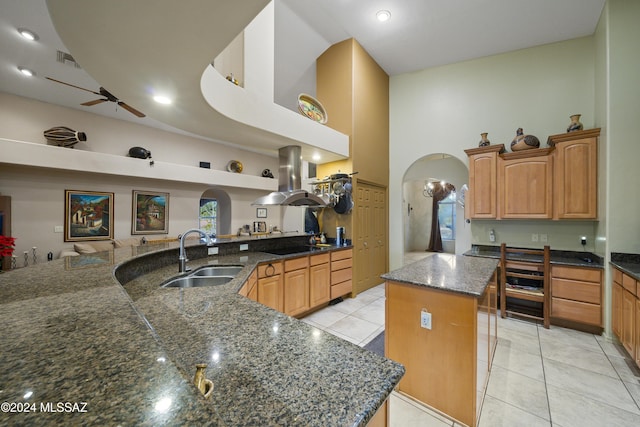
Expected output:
{"points": [[569, 258], [628, 263], [72, 333], [453, 273]]}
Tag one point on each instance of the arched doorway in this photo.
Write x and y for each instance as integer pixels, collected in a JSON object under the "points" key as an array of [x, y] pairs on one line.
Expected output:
{"points": [[215, 207], [456, 235]]}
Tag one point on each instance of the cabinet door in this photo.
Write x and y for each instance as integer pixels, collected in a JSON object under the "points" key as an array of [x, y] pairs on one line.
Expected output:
{"points": [[296, 291], [525, 189], [628, 321], [481, 198], [616, 310], [319, 284], [576, 179], [637, 338], [270, 292]]}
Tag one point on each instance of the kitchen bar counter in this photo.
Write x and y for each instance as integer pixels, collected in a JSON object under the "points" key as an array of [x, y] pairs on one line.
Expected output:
{"points": [[113, 353]]}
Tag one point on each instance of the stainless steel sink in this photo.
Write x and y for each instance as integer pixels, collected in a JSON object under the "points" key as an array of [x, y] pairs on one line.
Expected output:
{"points": [[217, 270], [196, 281]]}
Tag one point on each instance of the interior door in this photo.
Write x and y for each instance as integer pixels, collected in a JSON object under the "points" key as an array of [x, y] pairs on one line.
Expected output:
{"points": [[370, 236]]}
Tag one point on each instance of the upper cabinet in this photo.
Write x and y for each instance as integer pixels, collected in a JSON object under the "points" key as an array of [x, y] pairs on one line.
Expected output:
{"points": [[556, 182], [576, 174], [482, 196], [525, 184]]}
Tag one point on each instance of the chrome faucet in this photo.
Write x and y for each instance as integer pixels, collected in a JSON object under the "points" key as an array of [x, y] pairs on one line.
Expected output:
{"points": [[182, 259]]}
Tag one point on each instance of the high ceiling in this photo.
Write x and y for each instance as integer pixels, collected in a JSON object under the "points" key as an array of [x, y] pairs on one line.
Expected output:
{"points": [[420, 34]]}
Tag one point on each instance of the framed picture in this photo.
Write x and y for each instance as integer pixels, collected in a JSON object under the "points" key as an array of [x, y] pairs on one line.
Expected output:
{"points": [[88, 215], [261, 212], [150, 213]]}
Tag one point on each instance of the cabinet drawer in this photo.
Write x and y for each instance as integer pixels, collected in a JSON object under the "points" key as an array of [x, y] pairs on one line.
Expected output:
{"points": [[336, 255], [341, 264], [629, 283], [270, 269], [319, 259], [296, 263], [576, 290], [584, 274], [617, 276], [577, 311], [340, 289], [340, 276]]}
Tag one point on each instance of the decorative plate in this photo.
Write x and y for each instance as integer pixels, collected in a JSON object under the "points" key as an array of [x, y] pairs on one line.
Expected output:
{"points": [[234, 166], [311, 107]]}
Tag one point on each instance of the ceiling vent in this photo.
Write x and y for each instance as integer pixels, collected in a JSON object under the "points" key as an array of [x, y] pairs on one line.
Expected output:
{"points": [[66, 59]]}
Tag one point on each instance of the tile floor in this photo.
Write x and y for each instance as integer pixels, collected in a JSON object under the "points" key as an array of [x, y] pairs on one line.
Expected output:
{"points": [[540, 377]]}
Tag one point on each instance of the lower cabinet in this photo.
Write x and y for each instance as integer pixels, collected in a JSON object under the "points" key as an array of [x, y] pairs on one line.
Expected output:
{"points": [[296, 286], [319, 280], [250, 288], [625, 313], [341, 273], [270, 291], [576, 294]]}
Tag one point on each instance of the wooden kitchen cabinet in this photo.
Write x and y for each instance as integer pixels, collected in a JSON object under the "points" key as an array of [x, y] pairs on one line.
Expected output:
{"points": [[575, 174], [481, 200], [637, 334], [628, 321], [616, 309], [625, 313], [250, 289], [525, 184], [341, 273], [296, 286], [270, 292], [319, 280], [576, 294]]}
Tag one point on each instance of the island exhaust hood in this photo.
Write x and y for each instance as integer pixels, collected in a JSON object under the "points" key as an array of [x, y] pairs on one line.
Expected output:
{"points": [[289, 192]]}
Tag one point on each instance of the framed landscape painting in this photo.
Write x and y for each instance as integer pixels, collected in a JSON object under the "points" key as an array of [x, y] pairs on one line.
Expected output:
{"points": [[150, 213], [88, 215]]}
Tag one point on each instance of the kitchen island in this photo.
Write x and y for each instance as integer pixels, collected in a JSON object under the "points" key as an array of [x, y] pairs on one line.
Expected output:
{"points": [[98, 335], [441, 325]]}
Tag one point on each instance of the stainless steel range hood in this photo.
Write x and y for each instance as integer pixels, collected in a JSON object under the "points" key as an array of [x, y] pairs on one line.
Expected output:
{"points": [[289, 182]]}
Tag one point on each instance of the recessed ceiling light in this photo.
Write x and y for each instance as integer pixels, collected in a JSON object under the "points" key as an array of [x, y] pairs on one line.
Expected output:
{"points": [[162, 99], [383, 15], [27, 72], [28, 34], [316, 157]]}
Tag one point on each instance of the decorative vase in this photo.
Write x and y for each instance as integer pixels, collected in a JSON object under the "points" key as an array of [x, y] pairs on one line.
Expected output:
{"points": [[64, 137], [524, 142], [484, 141], [575, 123]]}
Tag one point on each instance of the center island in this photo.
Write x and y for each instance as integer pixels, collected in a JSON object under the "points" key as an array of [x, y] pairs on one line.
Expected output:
{"points": [[440, 320]]}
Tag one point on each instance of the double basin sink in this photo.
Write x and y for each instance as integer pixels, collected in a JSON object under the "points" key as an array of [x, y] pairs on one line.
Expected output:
{"points": [[210, 275]]}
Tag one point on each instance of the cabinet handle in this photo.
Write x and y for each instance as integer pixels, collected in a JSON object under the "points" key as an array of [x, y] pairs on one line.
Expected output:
{"points": [[273, 270], [364, 244]]}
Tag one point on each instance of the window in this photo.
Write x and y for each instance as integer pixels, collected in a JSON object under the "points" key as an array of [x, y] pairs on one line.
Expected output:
{"points": [[447, 217], [208, 218]]}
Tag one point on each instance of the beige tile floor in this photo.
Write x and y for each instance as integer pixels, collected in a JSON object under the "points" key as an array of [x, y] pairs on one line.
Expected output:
{"points": [[540, 377]]}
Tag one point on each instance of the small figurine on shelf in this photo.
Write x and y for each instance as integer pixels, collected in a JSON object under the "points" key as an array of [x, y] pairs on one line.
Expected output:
{"points": [[484, 141], [233, 79], [575, 123], [524, 142]]}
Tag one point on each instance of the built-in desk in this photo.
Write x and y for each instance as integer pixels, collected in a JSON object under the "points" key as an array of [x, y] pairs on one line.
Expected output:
{"points": [[447, 366]]}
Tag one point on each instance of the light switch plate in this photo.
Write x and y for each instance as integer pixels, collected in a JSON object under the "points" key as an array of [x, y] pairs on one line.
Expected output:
{"points": [[58, 229], [212, 251], [244, 247]]}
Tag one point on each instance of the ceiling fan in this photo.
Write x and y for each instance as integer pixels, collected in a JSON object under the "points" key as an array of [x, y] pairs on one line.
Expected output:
{"points": [[107, 96]]}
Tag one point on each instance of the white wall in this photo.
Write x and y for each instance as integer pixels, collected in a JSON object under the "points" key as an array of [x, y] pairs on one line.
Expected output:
{"points": [[38, 193], [444, 110]]}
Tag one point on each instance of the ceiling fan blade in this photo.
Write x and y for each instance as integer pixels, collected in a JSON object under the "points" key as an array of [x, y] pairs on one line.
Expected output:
{"points": [[77, 87], [94, 102], [130, 109]]}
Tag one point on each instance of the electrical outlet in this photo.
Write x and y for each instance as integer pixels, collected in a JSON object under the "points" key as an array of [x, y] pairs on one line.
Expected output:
{"points": [[425, 319], [212, 251], [534, 237], [244, 247], [543, 238], [583, 240], [58, 229]]}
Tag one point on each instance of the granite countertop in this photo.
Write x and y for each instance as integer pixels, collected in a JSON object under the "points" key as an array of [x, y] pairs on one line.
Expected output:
{"points": [[628, 263], [453, 273], [569, 258], [73, 333]]}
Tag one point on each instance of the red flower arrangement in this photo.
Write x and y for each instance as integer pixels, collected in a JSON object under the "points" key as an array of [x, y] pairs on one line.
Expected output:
{"points": [[6, 245]]}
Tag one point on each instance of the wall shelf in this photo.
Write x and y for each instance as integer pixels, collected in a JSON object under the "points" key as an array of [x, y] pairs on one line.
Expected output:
{"points": [[31, 154]]}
